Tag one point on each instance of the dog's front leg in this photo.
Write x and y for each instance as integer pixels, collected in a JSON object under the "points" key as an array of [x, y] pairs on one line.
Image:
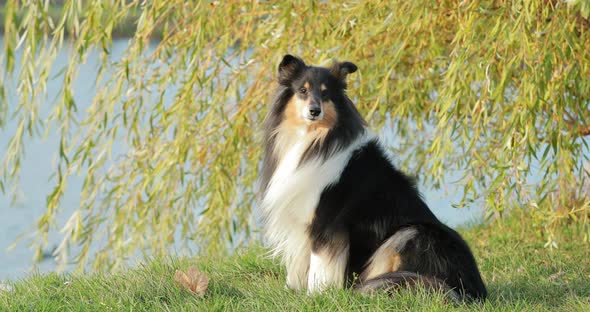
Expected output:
{"points": [[297, 268], [327, 265]]}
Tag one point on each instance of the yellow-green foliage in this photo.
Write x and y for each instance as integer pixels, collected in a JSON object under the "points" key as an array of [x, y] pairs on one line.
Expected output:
{"points": [[493, 90]]}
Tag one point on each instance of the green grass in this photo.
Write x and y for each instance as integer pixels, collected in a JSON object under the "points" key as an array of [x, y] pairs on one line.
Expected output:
{"points": [[520, 274]]}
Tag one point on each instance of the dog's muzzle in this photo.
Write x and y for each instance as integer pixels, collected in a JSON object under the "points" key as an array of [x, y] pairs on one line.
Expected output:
{"points": [[313, 112]]}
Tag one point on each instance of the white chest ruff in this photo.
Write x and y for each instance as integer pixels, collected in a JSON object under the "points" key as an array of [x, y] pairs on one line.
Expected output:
{"points": [[293, 194]]}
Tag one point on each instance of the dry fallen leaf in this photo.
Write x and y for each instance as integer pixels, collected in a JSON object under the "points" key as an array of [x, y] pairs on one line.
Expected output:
{"points": [[192, 280]]}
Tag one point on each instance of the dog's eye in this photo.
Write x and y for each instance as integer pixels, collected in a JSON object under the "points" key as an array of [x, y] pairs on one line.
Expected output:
{"points": [[302, 90], [325, 95]]}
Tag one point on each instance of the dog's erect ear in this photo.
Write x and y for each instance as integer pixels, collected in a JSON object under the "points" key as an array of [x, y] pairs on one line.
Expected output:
{"points": [[341, 69], [290, 68]]}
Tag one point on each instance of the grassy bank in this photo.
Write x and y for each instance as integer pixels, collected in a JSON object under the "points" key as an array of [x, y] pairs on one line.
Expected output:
{"points": [[519, 272]]}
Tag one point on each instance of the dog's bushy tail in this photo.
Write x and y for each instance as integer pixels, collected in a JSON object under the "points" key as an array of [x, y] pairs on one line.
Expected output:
{"points": [[389, 282]]}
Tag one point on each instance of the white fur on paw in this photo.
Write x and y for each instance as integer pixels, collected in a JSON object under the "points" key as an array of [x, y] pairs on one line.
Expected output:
{"points": [[318, 275]]}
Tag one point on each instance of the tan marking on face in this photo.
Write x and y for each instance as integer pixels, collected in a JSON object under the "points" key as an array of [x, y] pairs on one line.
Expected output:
{"points": [[323, 87], [295, 127], [291, 129], [307, 86], [322, 127], [292, 114]]}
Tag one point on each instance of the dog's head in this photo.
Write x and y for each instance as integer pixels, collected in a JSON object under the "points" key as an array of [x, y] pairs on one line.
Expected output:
{"points": [[315, 92], [310, 107]]}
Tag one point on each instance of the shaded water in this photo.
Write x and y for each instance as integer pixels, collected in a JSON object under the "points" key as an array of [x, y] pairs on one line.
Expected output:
{"points": [[39, 164]]}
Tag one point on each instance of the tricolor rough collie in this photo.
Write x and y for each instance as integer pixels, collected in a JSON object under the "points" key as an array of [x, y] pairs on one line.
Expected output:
{"points": [[336, 210]]}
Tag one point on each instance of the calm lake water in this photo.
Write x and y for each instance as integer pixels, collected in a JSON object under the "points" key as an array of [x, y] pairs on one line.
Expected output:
{"points": [[39, 164]]}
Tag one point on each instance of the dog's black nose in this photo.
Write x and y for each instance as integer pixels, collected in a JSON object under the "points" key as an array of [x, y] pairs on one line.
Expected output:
{"points": [[315, 111]]}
